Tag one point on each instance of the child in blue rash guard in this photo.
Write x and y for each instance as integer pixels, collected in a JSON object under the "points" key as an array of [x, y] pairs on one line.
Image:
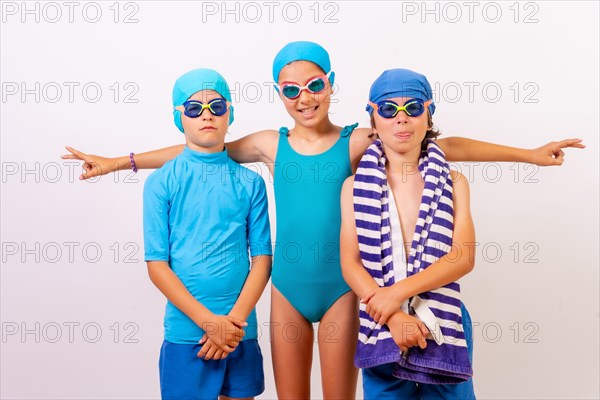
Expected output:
{"points": [[405, 240], [202, 213]]}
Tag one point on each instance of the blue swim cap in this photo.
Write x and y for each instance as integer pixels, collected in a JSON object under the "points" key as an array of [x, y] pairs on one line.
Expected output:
{"points": [[302, 51], [400, 83], [195, 81]]}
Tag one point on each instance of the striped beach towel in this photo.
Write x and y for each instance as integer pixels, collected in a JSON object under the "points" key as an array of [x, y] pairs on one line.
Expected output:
{"points": [[445, 359]]}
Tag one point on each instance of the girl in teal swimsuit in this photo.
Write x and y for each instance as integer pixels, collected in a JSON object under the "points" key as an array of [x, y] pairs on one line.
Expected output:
{"points": [[309, 163]]}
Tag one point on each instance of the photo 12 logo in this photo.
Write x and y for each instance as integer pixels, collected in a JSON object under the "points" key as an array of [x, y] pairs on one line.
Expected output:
{"points": [[52, 172], [69, 331], [69, 12], [253, 12], [453, 12], [69, 252], [488, 92], [71, 92]]}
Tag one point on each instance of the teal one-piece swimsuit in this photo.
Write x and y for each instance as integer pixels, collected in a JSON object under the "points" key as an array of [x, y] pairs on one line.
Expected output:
{"points": [[306, 262]]}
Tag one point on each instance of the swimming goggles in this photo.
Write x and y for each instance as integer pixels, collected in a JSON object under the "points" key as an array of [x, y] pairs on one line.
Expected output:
{"points": [[292, 90], [195, 108], [389, 109]]}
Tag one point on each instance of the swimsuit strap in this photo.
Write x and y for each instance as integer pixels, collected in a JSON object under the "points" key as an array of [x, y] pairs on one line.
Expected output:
{"points": [[346, 131]]}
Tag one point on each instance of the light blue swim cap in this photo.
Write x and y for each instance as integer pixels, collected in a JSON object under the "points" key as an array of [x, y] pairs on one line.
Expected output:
{"points": [[400, 83], [302, 51], [195, 81]]}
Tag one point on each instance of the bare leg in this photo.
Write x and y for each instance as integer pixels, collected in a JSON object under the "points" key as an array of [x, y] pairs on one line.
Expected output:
{"points": [[291, 348], [338, 333]]}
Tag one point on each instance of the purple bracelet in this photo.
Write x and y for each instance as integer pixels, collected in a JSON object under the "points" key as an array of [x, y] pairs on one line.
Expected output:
{"points": [[133, 166]]}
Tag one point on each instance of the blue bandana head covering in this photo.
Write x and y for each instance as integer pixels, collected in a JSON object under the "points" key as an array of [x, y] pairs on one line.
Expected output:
{"points": [[400, 83], [195, 81], [302, 51]]}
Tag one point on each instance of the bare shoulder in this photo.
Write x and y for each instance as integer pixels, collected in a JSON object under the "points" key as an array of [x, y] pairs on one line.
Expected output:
{"points": [[461, 198], [459, 183], [444, 144], [361, 139], [363, 132], [362, 136], [457, 176], [346, 200], [266, 142], [267, 135], [348, 182], [347, 187]]}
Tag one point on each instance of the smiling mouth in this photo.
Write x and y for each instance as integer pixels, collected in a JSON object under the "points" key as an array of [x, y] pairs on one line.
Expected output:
{"points": [[308, 111]]}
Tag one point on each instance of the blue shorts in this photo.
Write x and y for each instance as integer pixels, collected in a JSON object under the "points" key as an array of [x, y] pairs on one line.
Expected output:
{"points": [[379, 383], [185, 376]]}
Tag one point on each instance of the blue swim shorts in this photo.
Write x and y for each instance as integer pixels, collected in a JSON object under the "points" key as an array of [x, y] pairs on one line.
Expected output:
{"points": [[185, 376]]}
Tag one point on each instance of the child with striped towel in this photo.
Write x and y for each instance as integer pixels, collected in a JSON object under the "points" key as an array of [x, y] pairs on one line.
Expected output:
{"points": [[414, 340]]}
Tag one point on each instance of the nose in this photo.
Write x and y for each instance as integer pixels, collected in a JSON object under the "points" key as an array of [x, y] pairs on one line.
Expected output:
{"points": [[206, 115], [401, 117], [305, 96]]}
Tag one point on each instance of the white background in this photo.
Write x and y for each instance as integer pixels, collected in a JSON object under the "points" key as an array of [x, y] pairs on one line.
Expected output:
{"points": [[535, 309]]}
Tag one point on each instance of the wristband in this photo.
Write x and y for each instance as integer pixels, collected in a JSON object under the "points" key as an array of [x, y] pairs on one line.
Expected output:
{"points": [[133, 166]]}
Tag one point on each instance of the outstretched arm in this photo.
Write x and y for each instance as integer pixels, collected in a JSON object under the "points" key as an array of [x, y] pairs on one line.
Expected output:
{"points": [[256, 147], [462, 149], [98, 165]]}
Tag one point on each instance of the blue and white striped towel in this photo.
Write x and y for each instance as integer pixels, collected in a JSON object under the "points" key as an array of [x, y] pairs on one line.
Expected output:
{"points": [[446, 359]]}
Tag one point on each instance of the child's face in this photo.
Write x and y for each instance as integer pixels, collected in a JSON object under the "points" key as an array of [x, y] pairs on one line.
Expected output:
{"points": [[401, 133], [308, 109], [207, 130]]}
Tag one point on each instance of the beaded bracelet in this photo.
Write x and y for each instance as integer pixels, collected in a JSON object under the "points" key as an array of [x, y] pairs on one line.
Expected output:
{"points": [[133, 166]]}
